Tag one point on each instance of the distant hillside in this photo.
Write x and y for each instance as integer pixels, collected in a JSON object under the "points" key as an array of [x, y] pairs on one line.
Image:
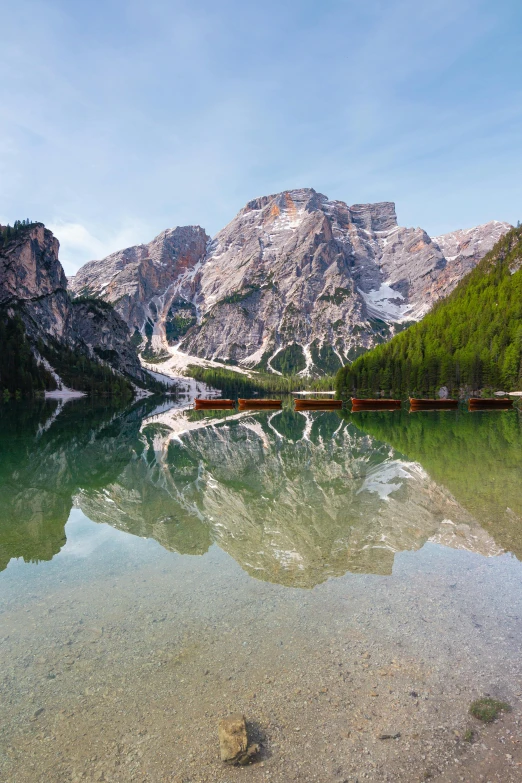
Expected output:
{"points": [[472, 338]]}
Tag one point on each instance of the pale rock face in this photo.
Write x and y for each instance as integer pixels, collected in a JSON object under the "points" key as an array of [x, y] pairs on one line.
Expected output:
{"points": [[471, 243], [32, 277], [29, 267], [33, 284], [464, 249], [296, 282], [297, 267], [143, 281]]}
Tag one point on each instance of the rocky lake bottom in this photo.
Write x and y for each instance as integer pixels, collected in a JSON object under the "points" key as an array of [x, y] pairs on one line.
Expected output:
{"points": [[350, 583]]}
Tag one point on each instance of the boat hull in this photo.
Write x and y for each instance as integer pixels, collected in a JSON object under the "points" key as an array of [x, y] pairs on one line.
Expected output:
{"points": [[320, 405], [258, 404], [489, 403], [213, 404], [377, 404], [418, 403]]}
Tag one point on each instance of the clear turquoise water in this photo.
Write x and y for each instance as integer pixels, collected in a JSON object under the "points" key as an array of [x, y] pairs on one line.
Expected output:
{"points": [[158, 562]]}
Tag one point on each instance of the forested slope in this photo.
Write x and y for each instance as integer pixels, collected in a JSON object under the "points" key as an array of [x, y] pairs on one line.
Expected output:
{"points": [[473, 338]]}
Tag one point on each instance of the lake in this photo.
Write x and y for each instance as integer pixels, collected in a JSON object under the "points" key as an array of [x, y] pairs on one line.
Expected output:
{"points": [[349, 582]]}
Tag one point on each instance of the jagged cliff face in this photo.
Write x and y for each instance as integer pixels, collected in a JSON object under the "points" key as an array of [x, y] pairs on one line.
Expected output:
{"points": [[151, 286], [32, 280], [463, 250], [29, 267], [33, 285], [104, 335], [295, 283]]}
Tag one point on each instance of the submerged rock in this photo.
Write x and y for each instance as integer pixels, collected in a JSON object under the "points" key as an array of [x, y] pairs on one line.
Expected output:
{"points": [[389, 735], [233, 740]]}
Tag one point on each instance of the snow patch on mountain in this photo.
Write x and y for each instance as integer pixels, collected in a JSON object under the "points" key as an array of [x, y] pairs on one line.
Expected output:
{"points": [[385, 303]]}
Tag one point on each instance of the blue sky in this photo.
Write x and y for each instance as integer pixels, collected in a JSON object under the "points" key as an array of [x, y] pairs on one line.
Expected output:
{"points": [[121, 118]]}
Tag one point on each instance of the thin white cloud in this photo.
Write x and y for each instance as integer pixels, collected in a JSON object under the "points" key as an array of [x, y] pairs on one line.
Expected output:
{"points": [[78, 245], [116, 124]]}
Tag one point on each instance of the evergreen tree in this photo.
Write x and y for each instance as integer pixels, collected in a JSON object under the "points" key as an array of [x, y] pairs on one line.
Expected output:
{"points": [[473, 337], [20, 374]]}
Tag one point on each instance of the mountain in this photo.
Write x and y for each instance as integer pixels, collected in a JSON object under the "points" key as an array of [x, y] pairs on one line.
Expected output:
{"points": [[48, 339], [151, 286], [295, 283], [471, 340]]}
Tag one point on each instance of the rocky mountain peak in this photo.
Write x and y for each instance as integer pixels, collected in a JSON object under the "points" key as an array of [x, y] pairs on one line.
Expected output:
{"points": [[471, 243], [143, 281], [173, 247], [291, 206], [295, 282], [374, 217], [286, 201], [29, 265]]}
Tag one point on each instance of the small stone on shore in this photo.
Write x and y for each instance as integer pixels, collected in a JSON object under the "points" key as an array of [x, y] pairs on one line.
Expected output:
{"points": [[385, 736], [233, 740]]}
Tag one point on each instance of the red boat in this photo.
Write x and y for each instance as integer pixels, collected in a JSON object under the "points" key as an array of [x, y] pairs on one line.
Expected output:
{"points": [[419, 403], [216, 405], [313, 404], [253, 404], [377, 404], [488, 403]]}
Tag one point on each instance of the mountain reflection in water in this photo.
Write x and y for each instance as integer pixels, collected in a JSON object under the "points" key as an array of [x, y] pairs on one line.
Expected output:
{"points": [[294, 498]]}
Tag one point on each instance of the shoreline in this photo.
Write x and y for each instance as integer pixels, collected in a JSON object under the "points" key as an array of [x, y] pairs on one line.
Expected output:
{"points": [[64, 394]]}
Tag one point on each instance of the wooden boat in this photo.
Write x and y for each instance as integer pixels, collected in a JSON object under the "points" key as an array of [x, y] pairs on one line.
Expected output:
{"points": [[315, 394], [420, 403], [377, 404], [216, 405], [489, 403], [313, 404], [252, 404]]}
